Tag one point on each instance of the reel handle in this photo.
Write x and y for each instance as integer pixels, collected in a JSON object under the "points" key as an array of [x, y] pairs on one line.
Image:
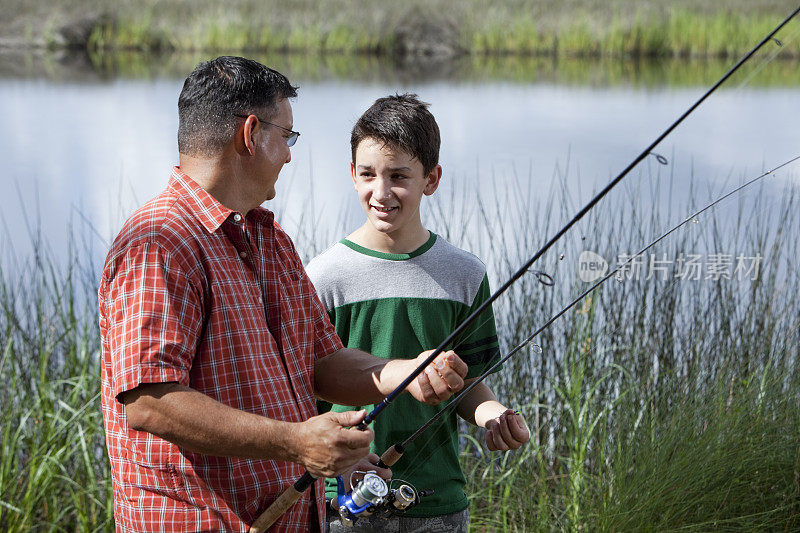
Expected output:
{"points": [[391, 456]]}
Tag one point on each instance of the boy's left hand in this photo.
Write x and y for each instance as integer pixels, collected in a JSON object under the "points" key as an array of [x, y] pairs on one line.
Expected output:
{"points": [[507, 432]]}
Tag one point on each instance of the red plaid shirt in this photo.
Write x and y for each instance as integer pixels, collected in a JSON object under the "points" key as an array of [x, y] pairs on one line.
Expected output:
{"points": [[195, 293]]}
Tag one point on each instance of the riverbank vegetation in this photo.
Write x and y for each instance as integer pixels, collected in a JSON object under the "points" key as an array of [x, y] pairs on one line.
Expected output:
{"points": [[656, 404], [683, 28], [662, 402]]}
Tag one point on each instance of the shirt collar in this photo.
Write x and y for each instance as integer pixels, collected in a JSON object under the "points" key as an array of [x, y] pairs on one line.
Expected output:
{"points": [[208, 210]]}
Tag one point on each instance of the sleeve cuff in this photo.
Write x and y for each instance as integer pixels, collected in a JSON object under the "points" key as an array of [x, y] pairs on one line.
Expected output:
{"points": [[149, 375]]}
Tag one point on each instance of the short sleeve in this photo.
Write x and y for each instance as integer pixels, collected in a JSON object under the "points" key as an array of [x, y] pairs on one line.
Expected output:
{"points": [[479, 347], [154, 319]]}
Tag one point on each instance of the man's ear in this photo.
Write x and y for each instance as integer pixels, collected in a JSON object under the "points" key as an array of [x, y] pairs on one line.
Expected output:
{"points": [[245, 136], [432, 179]]}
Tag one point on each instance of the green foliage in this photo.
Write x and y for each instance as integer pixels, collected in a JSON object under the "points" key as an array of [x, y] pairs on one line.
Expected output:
{"points": [[53, 465], [575, 27], [725, 458], [658, 405]]}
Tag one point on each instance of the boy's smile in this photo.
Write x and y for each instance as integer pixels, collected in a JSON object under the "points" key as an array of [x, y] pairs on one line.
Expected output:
{"points": [[390, 184], [382, 211]]}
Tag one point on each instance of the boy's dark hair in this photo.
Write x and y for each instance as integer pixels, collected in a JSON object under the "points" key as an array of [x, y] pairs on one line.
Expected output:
{"points": [[219, 89], [400, 121]]}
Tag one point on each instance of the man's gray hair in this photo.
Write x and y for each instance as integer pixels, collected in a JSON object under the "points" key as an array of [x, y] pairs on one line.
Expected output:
{"points": [[219, 89]]}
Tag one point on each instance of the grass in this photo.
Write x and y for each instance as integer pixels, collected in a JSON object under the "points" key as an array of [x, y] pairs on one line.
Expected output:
{"points": [[582, 27], [54, 473], [657, 405]]}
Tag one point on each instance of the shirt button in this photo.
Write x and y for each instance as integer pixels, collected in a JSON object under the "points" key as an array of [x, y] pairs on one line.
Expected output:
{"points": [[237, 217], [243, 255]]}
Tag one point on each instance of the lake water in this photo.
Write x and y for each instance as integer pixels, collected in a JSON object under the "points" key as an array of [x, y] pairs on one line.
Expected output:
{"points": [[89, 148]]}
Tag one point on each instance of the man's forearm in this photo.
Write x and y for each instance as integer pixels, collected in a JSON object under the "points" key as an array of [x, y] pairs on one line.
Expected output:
{"points": [[199, 423], [196, 422], [352, 377]]}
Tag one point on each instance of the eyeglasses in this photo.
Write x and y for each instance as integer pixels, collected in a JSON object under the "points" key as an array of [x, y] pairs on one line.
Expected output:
{"points": [[290, 139]]}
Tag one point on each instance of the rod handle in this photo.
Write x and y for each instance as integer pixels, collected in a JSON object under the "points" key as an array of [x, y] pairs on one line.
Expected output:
{"points": [[287, 498], [391, 456]]}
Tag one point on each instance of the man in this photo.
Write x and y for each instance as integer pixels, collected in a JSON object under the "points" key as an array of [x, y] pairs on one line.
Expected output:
{"points": [[214, 342]]}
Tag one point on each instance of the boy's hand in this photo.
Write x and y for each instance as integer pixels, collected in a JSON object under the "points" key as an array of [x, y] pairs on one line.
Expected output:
{"points": [[506, 432], [366, 464], [443, 377]]}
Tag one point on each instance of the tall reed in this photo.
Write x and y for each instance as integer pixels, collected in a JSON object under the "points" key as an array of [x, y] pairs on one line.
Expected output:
{"points": [[586, 27], [54, 472], [658, 404]]}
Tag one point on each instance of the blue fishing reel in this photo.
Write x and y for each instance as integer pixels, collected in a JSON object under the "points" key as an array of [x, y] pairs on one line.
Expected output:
{"points": [[372, 495]]}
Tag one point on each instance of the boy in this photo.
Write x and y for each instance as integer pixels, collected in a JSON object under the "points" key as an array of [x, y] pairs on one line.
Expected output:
{"points": [[392, 288]]}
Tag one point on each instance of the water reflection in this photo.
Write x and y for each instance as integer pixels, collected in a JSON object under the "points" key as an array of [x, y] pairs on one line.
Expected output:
{"points": [[95, 137], [583, 71]]}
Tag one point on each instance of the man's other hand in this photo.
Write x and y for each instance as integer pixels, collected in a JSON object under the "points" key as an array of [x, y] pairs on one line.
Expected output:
{"points": [[365, 464]]}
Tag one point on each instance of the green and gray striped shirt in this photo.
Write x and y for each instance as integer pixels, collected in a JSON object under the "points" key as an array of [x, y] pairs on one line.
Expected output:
{"points": [[396, 306]]}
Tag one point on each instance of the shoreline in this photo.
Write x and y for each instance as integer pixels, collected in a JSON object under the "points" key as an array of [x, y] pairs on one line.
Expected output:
{"points": [[409, 31]]}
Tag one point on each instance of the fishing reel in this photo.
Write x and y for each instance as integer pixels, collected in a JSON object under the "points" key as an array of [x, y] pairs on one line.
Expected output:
{"points": [[372, 495]]}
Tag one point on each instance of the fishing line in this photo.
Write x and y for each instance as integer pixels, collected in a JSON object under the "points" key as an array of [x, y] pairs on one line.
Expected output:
{"points": [[661, 160], [691, 218], [780, 46], [399, 448]]}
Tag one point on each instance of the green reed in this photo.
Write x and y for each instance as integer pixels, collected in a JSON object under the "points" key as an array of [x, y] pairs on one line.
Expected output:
{"points": [[680, 33], [656, 405], [54, 473]]}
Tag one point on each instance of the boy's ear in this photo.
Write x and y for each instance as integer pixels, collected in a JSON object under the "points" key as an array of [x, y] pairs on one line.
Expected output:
{"points": [[433, 178], [353, 173]]}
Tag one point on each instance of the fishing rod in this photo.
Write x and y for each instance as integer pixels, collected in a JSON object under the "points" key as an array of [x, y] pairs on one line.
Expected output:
{"points": [[293, 492], [393, 454]]}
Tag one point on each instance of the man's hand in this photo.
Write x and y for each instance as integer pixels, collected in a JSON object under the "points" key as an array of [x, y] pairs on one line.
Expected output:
{"points": [[506, 432], [324, 445], [365, 464], [443, 377]]}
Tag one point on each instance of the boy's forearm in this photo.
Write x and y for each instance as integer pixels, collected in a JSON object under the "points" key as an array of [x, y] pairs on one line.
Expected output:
{"points": [[480, 405]]}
